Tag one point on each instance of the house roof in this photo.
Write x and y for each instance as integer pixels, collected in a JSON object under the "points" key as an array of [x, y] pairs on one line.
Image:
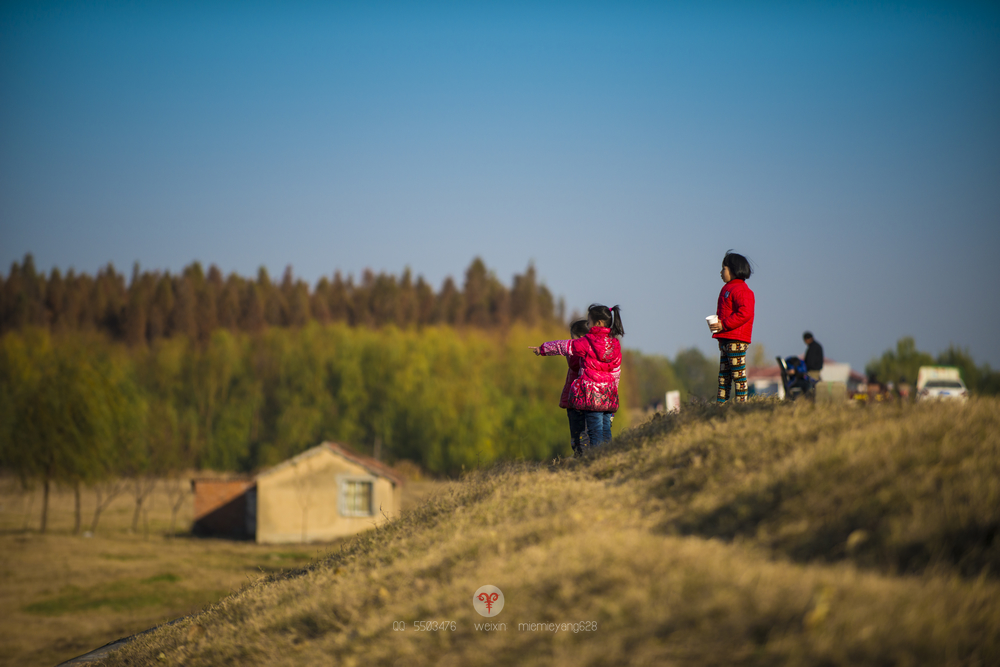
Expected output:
{"points": [[374, 466], [371, 465], [771, 372]]}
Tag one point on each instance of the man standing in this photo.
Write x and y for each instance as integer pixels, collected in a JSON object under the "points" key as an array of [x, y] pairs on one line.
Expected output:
{"points": [[814, 356]]}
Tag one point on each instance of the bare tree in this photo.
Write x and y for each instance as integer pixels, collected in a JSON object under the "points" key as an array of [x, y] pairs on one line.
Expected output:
{"points": [[141, 488], [177, 489], [76, 507], [106, 492]]}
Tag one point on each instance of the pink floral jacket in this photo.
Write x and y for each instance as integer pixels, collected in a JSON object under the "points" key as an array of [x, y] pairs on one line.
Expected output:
{"points": [[595, 387], [571, 374]]}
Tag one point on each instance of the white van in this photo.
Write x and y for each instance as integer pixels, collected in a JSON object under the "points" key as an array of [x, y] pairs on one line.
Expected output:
{"points": [[941, 382]]}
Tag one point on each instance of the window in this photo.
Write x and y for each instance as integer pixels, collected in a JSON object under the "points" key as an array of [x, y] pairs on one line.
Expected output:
{"points": [[356, 497]]}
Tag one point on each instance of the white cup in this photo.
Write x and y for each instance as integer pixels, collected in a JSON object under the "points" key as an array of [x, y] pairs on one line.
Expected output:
{"points": [[712, 319]]}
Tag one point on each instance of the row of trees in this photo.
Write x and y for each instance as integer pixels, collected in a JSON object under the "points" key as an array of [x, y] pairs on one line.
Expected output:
{"points": [[155, 305], [81, 410], [901, 366]]}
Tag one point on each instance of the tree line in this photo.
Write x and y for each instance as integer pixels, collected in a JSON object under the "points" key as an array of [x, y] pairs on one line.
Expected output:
{"points": [[194, 303]]}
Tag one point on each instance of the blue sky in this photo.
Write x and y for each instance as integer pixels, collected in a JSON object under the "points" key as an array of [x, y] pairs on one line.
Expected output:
{"points": [[851, 150]]}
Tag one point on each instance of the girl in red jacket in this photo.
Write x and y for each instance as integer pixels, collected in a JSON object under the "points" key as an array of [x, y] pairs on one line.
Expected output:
{"points": [[593, 394], [735, 312]]}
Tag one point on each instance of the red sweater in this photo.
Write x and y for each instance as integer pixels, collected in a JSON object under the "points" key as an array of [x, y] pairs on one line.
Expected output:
{"points": [[735, 311]]}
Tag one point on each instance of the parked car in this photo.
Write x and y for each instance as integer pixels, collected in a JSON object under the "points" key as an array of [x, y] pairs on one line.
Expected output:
{"points": [[940, 382], [943, 389]]}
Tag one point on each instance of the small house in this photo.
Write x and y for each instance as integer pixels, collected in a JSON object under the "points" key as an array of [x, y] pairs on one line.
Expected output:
{"points": [[323, 493]]}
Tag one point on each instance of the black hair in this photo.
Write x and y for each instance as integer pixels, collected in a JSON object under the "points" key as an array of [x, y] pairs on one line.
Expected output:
{"points": [[739, 266], [807, 335], [612, 316], [579, 328]]}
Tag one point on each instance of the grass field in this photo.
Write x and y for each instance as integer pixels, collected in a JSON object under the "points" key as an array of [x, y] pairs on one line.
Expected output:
{"points": [[753, 535], [63, 595]]}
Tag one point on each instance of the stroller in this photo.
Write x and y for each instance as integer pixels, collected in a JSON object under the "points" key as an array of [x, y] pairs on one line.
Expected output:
{"points": [[795, 378]]}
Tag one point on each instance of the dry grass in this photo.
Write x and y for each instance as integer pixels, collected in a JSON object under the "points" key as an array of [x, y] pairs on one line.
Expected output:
{"points": [[900, 489], [63, 595], [757, 535]]}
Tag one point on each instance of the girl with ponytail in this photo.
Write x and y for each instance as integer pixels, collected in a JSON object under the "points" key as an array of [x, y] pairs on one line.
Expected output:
{"points": [[593, 394]]}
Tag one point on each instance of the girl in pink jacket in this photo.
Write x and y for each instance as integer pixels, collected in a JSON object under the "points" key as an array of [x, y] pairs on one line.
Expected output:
{"points": [[593, 393]]}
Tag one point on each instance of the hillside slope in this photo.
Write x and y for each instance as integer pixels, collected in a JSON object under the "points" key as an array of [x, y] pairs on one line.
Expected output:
{"points": [[758, 535]]}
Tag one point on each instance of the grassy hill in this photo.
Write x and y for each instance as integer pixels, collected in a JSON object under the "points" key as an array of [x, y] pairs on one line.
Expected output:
{"points": [[758, 535]]}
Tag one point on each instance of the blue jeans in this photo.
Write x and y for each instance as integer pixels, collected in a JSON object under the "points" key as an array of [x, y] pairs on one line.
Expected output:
{"points": [[598, 427]]}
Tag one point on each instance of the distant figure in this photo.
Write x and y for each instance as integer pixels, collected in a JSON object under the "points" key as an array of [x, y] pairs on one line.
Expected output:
{"points": [[594, 392], [735, 313], [814, 356], [903, 389], [875, 391]]}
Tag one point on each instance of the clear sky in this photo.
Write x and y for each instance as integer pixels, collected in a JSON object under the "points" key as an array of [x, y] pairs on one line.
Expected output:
{"points": [[850, 149]]}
